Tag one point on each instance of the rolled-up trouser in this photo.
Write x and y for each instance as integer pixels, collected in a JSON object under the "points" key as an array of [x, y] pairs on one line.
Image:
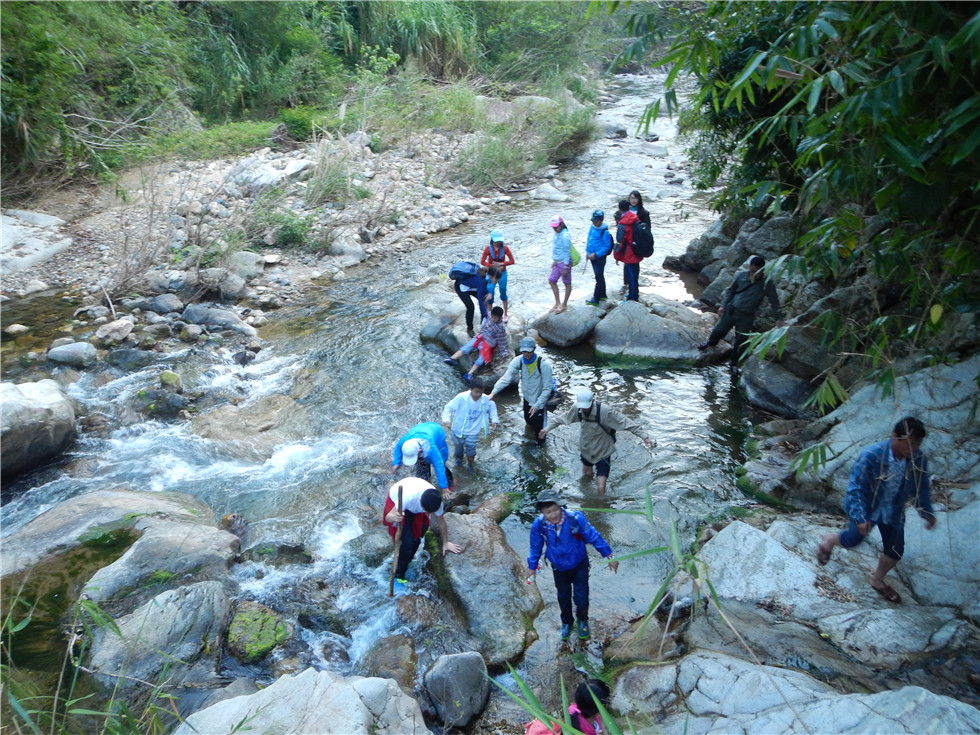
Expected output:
{"points": [[892, 538]]}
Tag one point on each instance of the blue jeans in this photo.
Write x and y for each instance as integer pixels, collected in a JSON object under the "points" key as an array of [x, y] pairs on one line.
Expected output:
{"points": [[467, 442], [892, 538], [631, 272], [564, 582]]}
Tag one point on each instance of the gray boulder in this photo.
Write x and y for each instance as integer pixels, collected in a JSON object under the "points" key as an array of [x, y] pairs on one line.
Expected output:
{"points": [[184, 625], [548, 193], [771, 387], [165, 303], [459, 687], [245, 264], [770, 240], [632, 331], [573, 326], [313, 703], [77, 354], [37, 422], [214, 317], [254, 430], [698, 253], [114, 332], [488, 578]]}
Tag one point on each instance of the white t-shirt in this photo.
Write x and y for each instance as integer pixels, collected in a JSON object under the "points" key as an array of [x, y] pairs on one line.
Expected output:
{"points": [[412, 489]]}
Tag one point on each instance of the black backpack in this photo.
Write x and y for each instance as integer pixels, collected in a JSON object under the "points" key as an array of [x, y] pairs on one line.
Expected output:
{"points": [[642, 240], [463, 268]]}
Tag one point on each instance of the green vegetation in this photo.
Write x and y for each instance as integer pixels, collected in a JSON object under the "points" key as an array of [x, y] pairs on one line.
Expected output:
{"points": [[92, 87], [862, 119]]}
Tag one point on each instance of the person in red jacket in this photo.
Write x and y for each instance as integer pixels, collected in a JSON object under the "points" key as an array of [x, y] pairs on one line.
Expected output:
{"points": [[499, 255], [625, 255]]}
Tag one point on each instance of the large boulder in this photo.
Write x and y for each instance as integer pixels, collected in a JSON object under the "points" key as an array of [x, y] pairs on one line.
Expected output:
{"points": [[165, 303], [255, 630], [245, 264], [184, 625], [69, 523], [573, 326], [215, 317], [769, 239], [76, 354], [113, 332], [254, 430], [459, 687], [710, 692], [631, 331], [38, 423], [770, 386], [488, 578], [393, 657], [313, 703]]}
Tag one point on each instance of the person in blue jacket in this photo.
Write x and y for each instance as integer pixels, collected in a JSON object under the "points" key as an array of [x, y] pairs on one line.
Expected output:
{"points": [[565, 533], [473, 287], [424, 447], [598, 245]]}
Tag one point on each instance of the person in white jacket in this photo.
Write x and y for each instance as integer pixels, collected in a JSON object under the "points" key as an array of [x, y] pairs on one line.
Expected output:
{"points": [[467, 416]]}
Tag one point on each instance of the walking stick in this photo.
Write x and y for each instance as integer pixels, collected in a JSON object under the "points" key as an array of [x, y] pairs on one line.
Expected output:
{"points": [[398, 545]]}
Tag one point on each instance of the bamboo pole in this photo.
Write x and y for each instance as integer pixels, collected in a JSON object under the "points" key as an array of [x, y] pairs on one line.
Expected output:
{"points": [[398, 545]]}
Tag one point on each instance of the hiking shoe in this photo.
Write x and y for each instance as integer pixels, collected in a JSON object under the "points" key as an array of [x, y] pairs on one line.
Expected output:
{"points": [[449, 361], [703, 346], [591, 302], [583, 629], [467, 377], [603, 300], [401, 586], [566, 631]]}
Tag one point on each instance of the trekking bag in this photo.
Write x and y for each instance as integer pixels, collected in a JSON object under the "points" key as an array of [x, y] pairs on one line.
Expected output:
{"points": [[462, 269], [576, 258], [642, 240], [537, 727]]}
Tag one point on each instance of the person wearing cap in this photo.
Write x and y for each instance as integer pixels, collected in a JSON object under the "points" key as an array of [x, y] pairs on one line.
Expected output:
{"points": [[424, 447], [499, 256], [563, 534], [598, 245], [419, 501], [535, 378], [467, 416], [561, 262], [597, 437]]}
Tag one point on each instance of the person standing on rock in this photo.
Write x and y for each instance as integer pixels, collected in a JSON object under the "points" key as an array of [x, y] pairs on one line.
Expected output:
{"points": [[597, 437], [563, 534], [497, 255], [597, 247], [884, 477], [419, 501], [561, 262], [536, 382], [467, 416], [739, 304], [624, 252], [424, 447]]}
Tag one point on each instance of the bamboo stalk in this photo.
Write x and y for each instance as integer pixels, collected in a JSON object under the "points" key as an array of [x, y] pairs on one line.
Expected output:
{"points": [[398, 545]]}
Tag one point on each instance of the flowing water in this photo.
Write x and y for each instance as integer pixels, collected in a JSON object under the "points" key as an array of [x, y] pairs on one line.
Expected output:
{"points": [[352, 359]]}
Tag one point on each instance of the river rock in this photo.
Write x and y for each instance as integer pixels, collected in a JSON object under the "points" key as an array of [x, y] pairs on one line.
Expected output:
{"points": [[165, 303], [38, 423], [215, 317], [245, 264], [76, 354], [255, 630], [312, 703], [708, 692], [130, 359], [488, 577], [459, 687], [114, 332], [66, 524], [166, 550], [631, 331], [573, 326], [184, 625], [770, 386], [614, 130], [254, 430], [16, 330], [392, 657], [548, 193], [770, 239]]}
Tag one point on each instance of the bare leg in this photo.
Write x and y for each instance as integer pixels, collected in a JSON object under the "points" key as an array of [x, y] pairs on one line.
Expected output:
{"points": [[568, 292], [826, 547], [554, 290], [586, 471], [600, 484], [885, 565]]}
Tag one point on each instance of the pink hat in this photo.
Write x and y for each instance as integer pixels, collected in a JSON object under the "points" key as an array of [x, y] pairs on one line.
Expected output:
{"points": [[557, 221]]}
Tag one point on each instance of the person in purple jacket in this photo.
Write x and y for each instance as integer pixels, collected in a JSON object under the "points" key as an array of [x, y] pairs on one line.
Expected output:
{"points": [[564, 534]]}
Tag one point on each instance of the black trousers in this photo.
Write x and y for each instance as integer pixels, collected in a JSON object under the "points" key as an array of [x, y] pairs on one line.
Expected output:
{"points": [[469, 299], [577, 578]]}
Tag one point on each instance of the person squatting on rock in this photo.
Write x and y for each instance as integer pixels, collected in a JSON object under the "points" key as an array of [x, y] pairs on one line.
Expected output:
{"points": [[561, 262], [584, 711], [498, 256], [424, 447], [884, 477], [536, 384], [493, 334], [597, 247], [597, 437], [467, 416], [739, 304], [564, 534], [472, 286], [419, 501]]}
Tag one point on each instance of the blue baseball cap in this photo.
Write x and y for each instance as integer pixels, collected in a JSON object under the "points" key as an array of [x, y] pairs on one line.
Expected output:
{"points": [[598, 214], [496, 236]]}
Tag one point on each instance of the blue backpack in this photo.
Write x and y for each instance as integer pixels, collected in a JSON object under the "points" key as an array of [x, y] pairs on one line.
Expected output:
{"points": [[462, 269]]}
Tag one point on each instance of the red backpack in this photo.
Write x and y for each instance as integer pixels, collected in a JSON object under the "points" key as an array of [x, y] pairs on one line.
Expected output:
{"points": [[536, 727]]}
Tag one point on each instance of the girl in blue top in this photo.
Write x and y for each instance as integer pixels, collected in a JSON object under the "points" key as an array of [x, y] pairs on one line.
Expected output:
{"points": [[598, 245], [564, 533], [561, 262]]}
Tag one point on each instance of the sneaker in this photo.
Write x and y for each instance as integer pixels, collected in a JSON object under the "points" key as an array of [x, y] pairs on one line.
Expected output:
{"points": [[566, 631], [583, 629], [401, 586], [591, 302], [603, 300], [449, 361], [467, 377], [703, 346]]}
